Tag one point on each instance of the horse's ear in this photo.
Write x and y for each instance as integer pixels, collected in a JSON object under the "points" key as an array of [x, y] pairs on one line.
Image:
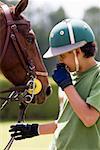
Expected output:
{"points": [[20, 7]]}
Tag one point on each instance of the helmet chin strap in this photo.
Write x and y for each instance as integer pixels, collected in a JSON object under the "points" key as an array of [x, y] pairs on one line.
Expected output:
{"points": [[72, 40], [76, 61]]}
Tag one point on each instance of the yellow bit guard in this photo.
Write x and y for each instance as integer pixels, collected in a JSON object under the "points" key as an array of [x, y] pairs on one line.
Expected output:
{"points": [[38, 87]]}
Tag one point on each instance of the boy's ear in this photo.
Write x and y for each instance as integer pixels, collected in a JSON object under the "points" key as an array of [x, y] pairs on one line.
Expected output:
{"points": [[20, 7], [78, 51]]}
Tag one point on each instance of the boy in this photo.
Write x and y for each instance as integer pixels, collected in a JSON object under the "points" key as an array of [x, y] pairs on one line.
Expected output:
{"points": [[78, 124]]}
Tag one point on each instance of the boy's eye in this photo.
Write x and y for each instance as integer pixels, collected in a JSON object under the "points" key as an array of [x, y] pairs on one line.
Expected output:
{"points": [[61, 57]]}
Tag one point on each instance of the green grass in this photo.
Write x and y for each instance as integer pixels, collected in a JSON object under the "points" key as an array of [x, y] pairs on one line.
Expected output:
{"points": [[36, 143]]}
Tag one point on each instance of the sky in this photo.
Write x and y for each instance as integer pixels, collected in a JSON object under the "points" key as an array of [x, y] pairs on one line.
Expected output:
{"points": [[74, 8]]}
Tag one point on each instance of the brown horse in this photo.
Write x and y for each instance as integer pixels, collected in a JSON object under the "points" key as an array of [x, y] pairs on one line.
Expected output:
{"points": [[20, 58]]}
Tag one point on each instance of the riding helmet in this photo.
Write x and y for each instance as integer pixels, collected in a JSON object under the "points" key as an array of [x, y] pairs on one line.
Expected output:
{"points": [[68, 35]]}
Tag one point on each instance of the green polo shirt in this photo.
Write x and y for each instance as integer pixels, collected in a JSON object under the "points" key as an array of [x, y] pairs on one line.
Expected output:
{"points": [[71, 133]]}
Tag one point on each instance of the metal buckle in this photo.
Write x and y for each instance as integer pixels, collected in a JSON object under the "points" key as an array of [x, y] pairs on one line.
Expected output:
{"points": [[14, 26], [29, 97], [13, 36]]}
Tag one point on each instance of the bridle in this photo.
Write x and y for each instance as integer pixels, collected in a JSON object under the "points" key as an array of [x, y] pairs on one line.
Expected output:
{"points": [[12, 32], [26, 61], [18, 93]]}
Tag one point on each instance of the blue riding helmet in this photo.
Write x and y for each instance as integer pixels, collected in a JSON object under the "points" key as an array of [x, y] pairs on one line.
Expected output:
{"points": [[68, 35]]}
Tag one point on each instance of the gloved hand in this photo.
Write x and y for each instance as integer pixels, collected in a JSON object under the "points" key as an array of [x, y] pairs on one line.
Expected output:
{"points": [[62, 76], [22, 131]]}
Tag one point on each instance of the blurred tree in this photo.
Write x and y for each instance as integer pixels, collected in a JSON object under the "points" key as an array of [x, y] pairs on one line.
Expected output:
{"points": [[92, 17], [57, 16], [4, 1], [12, 2], [42, 30]]}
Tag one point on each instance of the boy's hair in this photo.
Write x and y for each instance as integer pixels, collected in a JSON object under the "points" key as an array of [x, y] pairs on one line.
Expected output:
{"points": [[89, 49]]}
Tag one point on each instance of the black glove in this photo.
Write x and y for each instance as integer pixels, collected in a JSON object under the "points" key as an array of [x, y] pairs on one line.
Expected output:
{"points": [[22, 131], [62, 76]]}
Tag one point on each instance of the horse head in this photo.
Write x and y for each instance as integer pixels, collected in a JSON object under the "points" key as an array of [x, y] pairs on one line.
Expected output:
{"points": [[20, 58]]}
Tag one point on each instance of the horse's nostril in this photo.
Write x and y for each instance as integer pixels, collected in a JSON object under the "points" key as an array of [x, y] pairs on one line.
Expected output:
{"points": [[48, 91]]}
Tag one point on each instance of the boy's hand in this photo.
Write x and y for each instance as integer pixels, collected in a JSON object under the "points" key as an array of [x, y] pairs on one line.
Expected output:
{"points": [[22, 131], [62, 76]]}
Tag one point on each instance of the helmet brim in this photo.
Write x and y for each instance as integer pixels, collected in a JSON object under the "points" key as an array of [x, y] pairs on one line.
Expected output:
{"points": [[52, 52]]}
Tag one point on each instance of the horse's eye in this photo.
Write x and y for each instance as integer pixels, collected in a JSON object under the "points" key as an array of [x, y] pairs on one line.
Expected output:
{"points": [[30, 39]]}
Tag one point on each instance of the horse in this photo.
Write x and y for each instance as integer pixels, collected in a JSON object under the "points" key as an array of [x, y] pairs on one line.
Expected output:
{"points": [[21, 61], [20, 57]]}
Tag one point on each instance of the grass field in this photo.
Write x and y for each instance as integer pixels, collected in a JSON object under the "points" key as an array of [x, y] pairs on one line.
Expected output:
{"points": [[36, 143]]}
